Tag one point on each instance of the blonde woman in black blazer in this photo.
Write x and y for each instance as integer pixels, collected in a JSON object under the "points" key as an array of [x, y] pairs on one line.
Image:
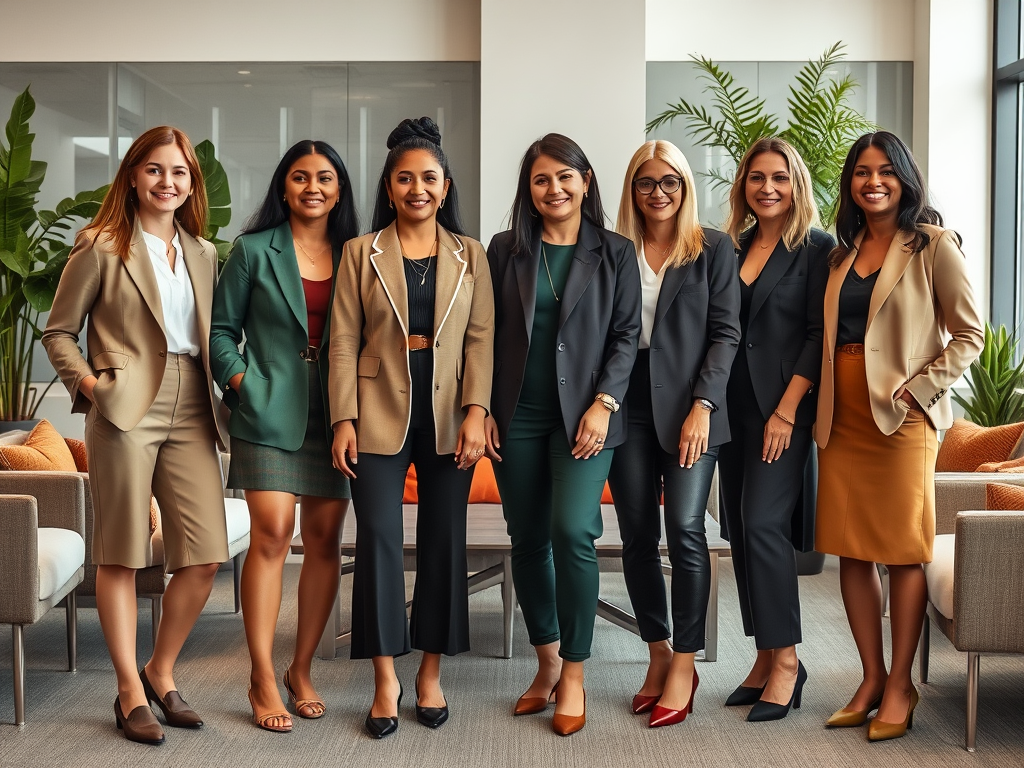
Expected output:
{"points": [[783, 263], [676, 417]]}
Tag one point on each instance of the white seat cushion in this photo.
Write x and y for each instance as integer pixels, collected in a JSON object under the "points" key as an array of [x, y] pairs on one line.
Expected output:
{"points": [[236, 513], [939, 574], [61, 553]]}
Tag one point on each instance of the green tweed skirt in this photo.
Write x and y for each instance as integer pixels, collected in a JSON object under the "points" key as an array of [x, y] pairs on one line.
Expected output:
{"points": [[305, 472]]}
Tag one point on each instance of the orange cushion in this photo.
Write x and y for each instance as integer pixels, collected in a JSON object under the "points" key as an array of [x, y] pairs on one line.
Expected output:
{"points": [[485, 488], [1004, 496], [43, 450], [410, 496], [1010, 465], [966, 446]]}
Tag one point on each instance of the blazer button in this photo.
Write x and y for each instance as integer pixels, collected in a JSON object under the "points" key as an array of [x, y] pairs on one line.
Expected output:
{"points": [[749, 345], [561, 381], [561, 346], [437, 343]]}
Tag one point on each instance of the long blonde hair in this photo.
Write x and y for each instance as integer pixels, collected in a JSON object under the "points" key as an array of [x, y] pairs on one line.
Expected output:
{"points": [[689, 237], [802, 215]]}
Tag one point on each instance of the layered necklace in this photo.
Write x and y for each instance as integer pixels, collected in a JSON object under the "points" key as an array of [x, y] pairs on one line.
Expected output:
{"points": [[415, 263], [312, 259]]}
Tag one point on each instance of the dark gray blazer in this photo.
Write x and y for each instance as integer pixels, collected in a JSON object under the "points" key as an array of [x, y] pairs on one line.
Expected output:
{"points": [[786, 322], [694, 339], [598, 327]]}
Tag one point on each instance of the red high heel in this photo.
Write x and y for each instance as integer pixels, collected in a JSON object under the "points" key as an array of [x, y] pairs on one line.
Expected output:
{"points": [[665, 716], [642, 704]]}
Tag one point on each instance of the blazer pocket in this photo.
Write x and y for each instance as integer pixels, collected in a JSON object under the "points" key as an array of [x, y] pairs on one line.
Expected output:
{"points": [[793, 280], [693, 288], [368, 366], [109, 360]]}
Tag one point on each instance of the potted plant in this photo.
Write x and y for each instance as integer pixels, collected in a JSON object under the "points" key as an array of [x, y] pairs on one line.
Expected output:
{"points": [[33, 253], [821, 128], [996, 382]]}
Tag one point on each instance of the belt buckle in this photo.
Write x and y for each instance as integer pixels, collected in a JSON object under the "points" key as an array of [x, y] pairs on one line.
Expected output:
{"points": [[418, 341], [310, 354]]}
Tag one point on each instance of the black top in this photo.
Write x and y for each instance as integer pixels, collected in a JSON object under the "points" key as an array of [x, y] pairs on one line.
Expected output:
{"points": [[746, 297], [854, 301], [420, 277]]}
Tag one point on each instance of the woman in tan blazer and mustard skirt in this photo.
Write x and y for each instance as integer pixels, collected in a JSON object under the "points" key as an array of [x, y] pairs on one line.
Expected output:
{"points": [[897, 291], [411, 356], [145, 281]]}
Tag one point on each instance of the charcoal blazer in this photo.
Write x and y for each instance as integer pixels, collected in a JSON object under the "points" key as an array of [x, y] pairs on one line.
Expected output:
{"points": [[694, 339], [260, 294], [786, 320], [598, 325]]}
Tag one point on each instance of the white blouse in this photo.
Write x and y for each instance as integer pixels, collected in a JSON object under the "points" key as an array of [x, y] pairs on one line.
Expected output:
{"points": [[650, 289], [176, 297]]}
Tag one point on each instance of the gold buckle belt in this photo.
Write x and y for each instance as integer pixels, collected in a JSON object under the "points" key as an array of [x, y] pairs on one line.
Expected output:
{"points": [[310, 354], [419, 342], [852, 349]]}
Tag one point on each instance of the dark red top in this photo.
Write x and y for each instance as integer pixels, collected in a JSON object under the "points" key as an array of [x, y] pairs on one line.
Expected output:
{"points": [[318, 299]]}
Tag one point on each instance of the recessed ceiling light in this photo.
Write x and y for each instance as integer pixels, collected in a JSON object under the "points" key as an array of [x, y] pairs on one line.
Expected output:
{"points": [[244, 72], [248, 85]]}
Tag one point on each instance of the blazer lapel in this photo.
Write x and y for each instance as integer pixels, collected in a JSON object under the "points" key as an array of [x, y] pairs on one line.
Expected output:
{"points": [[897, 259], [526, 267], [140, 268], [450, 269], [286, 270], [387, 262], [775, 268], [200, 274], [670, 285], [585, 260]]}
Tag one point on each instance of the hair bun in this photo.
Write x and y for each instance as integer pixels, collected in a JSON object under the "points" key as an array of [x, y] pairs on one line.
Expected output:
{"points": [[418, 128]]}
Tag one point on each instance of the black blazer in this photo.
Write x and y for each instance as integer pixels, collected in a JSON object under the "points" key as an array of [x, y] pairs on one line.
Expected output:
{"points": [[786, 321], [598, 325], [694, 339]]}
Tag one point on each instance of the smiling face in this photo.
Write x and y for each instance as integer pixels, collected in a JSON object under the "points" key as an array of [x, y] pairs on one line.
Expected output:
{"points": [[875, 187], [769, 187], [658, 205], [311, 187], [557, 189], [162, 182], [417, 186]]}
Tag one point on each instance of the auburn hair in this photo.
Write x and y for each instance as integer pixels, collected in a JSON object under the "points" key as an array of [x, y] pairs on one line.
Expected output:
{"points": [[120, 208]]}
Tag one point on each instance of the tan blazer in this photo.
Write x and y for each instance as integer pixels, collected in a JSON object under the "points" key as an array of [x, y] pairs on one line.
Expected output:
{"points": [[919, 301], [126, 343], [369, 377]]}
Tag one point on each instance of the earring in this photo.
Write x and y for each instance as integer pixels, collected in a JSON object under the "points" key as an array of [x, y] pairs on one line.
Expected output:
{"points": [[390, 203], [284, 198], [533, 213], [442, 203], [584, 195]]}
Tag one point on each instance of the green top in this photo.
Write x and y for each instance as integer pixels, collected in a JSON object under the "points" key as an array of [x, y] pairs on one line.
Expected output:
{"points": [[538, 398]]}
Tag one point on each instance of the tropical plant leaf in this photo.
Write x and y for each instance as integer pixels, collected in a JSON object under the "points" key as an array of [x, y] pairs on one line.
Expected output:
{"points": [[218, 193], [40, 290], [16, 159], [996, 383]]}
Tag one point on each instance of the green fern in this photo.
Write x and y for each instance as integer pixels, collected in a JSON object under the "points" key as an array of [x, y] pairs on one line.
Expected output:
{"points": [[996, 383]]}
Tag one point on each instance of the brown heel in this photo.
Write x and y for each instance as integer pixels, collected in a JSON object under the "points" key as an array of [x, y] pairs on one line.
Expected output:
{"points": [[140, 724], [566, 725], [534, 704]]}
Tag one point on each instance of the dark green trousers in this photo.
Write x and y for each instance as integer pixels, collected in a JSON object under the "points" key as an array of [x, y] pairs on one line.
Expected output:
{"points": [[552, 505]]}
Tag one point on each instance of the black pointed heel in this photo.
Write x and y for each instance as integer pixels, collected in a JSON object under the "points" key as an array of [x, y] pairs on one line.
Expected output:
{"points": [[744, 696], [432, 717], [379, 727], [766, 710]]}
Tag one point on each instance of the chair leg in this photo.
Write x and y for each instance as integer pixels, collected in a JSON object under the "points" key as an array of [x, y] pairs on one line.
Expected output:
{"points": [[71, 608], [925, 647], [19, 674], [883, 576], [236, 576], [508, 603], [711, 622], [157, 602], [973, 670]]}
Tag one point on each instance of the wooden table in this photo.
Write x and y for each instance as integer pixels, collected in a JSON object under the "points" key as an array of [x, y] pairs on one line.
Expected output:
{"points": [[488, 553]]}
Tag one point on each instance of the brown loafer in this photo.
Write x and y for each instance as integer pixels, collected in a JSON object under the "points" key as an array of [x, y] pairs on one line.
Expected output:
{"points": [[176, 712], [140, 725]]}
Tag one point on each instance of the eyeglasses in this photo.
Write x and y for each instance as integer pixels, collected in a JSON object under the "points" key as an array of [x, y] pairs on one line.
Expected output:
{"points": [[668, 184]]}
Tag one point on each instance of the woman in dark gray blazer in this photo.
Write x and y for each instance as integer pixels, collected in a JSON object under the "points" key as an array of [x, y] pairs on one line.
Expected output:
{"points": [[783, 268], [567, 317], [676, 415]]}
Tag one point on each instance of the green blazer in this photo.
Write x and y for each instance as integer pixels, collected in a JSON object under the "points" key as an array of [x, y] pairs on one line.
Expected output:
{"points": [[260, 295]]}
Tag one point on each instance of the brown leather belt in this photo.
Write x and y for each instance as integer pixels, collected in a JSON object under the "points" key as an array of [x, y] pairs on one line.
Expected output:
{"points": [[419, 342], [852, 349]]}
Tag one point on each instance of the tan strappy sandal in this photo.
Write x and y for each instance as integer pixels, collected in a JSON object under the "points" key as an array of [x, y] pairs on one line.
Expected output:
{"points": [[262, 720], [314, 707]]}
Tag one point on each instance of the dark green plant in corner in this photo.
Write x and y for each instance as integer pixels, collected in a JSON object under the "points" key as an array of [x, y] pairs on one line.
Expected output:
{"points": [[32, 257], [821, 127], [218, 196], [997, 384]]}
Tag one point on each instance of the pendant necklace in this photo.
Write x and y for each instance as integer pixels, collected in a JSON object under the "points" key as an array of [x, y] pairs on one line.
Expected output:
{"points": [[547, 269], [312, 259], [415, 262]]}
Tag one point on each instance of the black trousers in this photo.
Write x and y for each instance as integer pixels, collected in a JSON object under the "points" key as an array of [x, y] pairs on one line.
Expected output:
{"points": [[440, 605], [640, 471], [758, 500]]}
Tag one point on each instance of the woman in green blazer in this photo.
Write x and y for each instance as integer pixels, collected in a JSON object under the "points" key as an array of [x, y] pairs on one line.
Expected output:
{"points": [[276, 289]]}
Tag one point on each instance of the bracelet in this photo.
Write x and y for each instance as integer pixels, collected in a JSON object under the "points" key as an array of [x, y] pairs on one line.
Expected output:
{"points": [[607, 401], [792, 424], [704, 403]]}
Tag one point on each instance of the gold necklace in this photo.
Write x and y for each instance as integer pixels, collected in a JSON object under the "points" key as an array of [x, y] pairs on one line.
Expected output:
{"points": [[312, 259], [544, 253], [656, 248]]}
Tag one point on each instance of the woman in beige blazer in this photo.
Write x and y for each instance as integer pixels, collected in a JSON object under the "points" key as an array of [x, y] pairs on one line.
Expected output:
{"points": [[145, 280], [411, 356], [897, 291]]}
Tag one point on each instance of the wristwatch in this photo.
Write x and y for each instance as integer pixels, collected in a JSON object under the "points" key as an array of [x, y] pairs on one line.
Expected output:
{"points": [[706, 404], [607, 401]]}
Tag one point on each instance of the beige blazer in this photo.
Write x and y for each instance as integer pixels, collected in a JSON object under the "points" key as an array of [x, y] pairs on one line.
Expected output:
{"points": [[370, 380], [920, 300], [126, 343]]}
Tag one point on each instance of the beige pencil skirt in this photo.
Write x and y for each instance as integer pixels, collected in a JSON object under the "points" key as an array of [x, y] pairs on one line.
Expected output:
{"points": [[876, 492], [172, 455]]}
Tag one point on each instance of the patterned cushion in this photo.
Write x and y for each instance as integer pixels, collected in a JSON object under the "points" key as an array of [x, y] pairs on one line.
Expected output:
{"points": [[967, 446], [1004, 496], [1010, 465], [44, 449], [1018, 450]]}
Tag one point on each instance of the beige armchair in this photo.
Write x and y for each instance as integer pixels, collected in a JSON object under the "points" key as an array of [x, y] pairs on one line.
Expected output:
{"points": [[42, 561]]}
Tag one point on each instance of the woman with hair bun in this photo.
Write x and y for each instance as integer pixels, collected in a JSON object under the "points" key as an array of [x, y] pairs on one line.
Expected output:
{"points": [[275, 291], [410, 383]]}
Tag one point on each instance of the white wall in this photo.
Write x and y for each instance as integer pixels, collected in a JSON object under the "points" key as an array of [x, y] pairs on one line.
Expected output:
{"points": [[574, 67], [253, 30]]}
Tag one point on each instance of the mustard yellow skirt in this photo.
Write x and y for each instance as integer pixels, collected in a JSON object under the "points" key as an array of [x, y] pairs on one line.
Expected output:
{"points": [[876, 493]]}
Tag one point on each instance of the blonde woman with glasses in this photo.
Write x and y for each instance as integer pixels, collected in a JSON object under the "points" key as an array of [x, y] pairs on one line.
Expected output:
{"points": [[676, 416], [783, 268]]}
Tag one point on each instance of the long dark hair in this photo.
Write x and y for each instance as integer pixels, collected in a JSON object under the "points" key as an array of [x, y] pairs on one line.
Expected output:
{"points": [[914, 209], [525, 218], [421, 133], [342, 223]]}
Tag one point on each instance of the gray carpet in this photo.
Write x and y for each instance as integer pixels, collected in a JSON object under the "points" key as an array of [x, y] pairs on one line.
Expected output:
{"points": [[70, 719]]}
